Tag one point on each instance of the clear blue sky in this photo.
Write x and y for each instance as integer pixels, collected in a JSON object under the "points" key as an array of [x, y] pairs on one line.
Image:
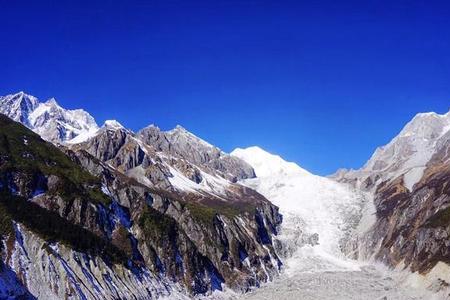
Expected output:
{"points": [[321, 83]]}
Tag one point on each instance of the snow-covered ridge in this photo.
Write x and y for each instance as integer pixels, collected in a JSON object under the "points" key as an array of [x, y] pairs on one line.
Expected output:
{"points": [[113, 124], [266, 164], [48, 119], [18, 106], [408, 153]]}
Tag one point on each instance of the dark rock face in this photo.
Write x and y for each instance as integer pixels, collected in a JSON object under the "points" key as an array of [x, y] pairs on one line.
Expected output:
{"points": [[119, 149], [412, 228], [87, 229]]}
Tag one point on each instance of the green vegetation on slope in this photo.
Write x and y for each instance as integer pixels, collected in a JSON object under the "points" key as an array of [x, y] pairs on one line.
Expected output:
{"points": [[24, 160], [21, 150], [157, 226], [53, 228], [160, 232], [205, 213], [440, 219]]}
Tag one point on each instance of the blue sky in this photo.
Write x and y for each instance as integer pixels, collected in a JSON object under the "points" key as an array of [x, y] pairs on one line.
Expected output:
{"points": [[321, 83]]}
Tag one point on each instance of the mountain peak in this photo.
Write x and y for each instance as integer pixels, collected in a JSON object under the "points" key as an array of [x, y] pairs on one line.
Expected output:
{"points": [[267, 164], [113, 124], [47, 119], [151, 126], [21, 94], [409, 152], [180, 128], [431, 114], [179, 132], [52, 102], [18, 106], [428, 125]]}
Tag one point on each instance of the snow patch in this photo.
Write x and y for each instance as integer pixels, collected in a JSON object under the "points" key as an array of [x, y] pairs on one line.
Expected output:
{"points": [[412, 177], [84, 136], [181, 182]]}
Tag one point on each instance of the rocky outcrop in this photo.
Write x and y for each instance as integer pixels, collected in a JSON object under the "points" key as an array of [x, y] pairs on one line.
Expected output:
{"points": [[409, 183], [44, 270]]}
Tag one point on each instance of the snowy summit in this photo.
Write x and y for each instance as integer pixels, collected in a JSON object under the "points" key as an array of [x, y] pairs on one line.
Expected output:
{"points": [[266, 164], [48, 119]]}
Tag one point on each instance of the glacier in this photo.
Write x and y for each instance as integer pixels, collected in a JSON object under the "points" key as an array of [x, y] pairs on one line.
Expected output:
{"points": [[320, 216]]}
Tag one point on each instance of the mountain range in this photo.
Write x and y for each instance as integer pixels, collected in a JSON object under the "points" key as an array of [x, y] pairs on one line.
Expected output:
{"points": [[124, 214], [102, 212]]}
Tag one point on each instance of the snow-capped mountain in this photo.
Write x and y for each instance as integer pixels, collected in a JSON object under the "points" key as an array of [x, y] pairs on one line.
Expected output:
{"points": [[406, 155], [48, 119], [18, 107], [181, 143], [176, 157], [113, 124], [181, 208]]}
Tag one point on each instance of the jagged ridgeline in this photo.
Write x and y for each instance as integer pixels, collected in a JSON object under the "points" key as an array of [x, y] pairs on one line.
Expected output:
{"points": [[73, 225]]}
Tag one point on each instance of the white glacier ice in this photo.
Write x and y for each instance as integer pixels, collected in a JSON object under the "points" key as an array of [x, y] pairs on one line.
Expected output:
{"points": [[319, 215], [316, 205]]}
